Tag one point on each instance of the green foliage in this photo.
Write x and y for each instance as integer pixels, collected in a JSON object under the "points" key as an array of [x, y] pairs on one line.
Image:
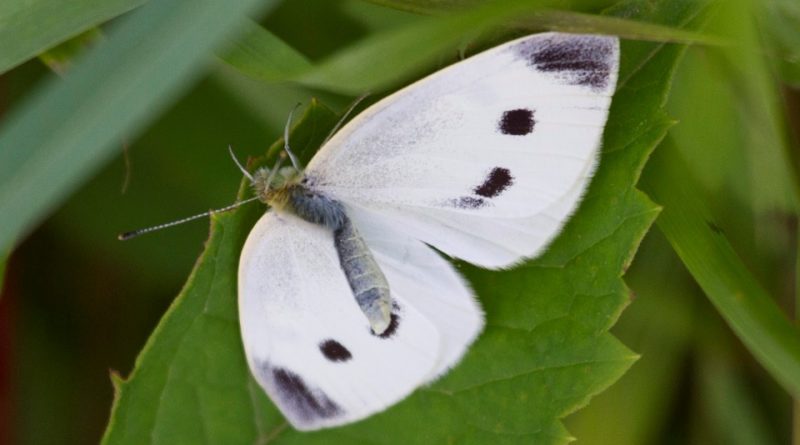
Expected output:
{"points": [[781, 19], [769, 179], [368, 65], [51, 147], [440, 6], [661, 324], [702, 246], [545, 352], [71, 127], [732, 135]]}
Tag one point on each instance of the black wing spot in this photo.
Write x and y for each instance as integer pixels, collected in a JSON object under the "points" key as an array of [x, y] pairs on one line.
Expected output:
{"points": [[583, 60], [498, 180], [335, 351], [308, 404], [517, 122], [394, 323]]}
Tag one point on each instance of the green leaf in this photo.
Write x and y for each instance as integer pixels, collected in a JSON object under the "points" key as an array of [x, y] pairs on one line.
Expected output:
{"points": [[704, 249], [70, 127], [191, 383], [29, 27], [660, 325], [546, 349]]}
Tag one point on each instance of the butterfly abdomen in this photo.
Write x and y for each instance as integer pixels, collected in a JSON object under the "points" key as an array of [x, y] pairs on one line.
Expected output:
{"points": [[366, 280], [365, 277]]}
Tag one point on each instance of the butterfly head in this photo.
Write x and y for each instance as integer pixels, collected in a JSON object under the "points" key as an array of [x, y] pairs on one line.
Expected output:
{"points": [[272, 185]]}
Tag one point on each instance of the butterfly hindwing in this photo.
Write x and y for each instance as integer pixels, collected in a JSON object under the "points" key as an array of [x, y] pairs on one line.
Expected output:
{"points": [[424, 279], [508, 138], [307, 342]]}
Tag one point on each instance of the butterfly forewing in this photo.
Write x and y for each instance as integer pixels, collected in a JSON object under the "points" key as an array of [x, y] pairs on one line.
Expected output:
{"points": [[511, 135]]}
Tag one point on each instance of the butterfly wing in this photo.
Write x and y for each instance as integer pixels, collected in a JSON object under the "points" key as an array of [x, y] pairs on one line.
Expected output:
{"points": [[307, 342], [486, 159]]}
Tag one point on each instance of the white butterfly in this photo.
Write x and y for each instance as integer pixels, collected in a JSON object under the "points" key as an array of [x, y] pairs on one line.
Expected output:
{"points": [[344, 307]]}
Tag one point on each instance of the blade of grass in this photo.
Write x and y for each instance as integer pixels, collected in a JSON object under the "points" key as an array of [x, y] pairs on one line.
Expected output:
{"points": [[262, 55], [370, 65], [576, 22], [367, 65], [69, 128], [442, 6], [703, 248], [28, 28], [371, 57]]}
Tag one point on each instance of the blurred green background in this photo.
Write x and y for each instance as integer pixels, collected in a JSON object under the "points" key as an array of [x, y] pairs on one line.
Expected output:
{"points": [[77, 303]]}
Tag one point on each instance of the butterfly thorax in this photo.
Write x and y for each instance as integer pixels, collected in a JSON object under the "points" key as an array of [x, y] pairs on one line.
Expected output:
{"points": [[292, 191]]}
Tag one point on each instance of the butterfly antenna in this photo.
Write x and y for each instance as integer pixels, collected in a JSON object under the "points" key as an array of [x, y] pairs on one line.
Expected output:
{"points": [[134, 233], [286, 129], [238, 164], [275, 169], [350, 109]]}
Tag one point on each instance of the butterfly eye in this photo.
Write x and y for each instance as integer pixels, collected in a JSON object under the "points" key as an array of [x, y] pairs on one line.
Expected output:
{"points": [[335, 351]]}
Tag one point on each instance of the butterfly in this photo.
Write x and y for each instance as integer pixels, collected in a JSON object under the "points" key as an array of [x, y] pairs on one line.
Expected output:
{"points": [[345, 305]]}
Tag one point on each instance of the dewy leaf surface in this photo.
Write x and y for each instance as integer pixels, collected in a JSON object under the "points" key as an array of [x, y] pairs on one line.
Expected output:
{"points": [[546, 349]]}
